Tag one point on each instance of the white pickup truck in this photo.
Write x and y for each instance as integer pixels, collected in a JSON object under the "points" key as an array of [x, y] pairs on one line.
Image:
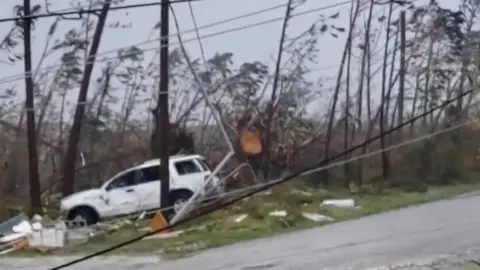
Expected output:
{"points": [[137, 189]]}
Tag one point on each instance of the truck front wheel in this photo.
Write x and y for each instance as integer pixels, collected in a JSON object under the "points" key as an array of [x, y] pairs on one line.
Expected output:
{"points": [[83, 214], [179, 198]]}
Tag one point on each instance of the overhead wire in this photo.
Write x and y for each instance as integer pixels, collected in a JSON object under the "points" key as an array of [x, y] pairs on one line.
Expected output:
{"points": [[321, 165], [197, 33], [87, 11], [218, 33]]}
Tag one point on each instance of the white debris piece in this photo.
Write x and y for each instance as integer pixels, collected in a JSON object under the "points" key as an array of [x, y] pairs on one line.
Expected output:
{"points": [[317, 217], [279, 213], [141, 216], [345, 203], [237, 218], [36, 226], [12, 237], [240, 218], [22, 227], [37, 218], [48, 237]]}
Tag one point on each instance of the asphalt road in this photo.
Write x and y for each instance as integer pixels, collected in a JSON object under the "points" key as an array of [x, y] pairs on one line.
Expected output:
{"points": [[417, 234]]}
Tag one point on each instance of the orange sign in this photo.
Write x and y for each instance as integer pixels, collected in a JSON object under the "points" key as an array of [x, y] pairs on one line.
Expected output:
{"points": [[250, 142]]}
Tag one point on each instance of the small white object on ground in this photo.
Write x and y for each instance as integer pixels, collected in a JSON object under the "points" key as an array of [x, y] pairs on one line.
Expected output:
{"points": [[22, 227], [12, 237], [345, 203], [37, 218], [317, 217], [36, 226], [237, 218], [142, 216], [279, 213], [47, 237]]}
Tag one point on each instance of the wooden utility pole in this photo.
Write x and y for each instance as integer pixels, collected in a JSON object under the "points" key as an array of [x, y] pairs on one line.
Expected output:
{"points": [[34, 179], [162, 118], [401, 90]]}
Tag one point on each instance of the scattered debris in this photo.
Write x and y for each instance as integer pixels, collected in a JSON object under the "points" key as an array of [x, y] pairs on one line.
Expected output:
{"points": [[13, 245], [317, 217], [37, 218], [39, 233], [6, 227], [277, 213], [238, 218], [47, 239], [345, 203], [13, 234], [22, 227], [141, 217], [12, 237], [112, 227], [42, 234]]}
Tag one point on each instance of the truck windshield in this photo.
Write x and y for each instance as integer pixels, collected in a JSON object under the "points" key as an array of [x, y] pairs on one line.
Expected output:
{"points": [[204, 164]]}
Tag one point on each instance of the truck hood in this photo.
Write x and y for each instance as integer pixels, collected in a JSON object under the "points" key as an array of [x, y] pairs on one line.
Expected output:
{"points": [[84, 195]]}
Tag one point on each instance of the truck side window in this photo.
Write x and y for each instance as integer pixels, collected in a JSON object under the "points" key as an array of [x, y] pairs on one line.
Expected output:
{"points": [[124, 180], [187, 167], [150, 174]]}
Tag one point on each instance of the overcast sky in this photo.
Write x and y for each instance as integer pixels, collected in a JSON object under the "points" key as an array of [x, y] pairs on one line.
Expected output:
{"points": [[255, 43]]}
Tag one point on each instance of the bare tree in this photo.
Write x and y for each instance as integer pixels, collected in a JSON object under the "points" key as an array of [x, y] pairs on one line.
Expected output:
{"points": [[336, 93], [383, 99]]}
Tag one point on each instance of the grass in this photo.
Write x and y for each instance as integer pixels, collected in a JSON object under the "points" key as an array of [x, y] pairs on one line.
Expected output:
{"points": [[218, 229]]}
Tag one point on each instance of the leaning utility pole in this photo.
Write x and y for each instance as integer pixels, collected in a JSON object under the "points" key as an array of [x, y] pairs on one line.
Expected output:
{"points": [[34, 179], [74, 137], [162, 119], [273, 98]]}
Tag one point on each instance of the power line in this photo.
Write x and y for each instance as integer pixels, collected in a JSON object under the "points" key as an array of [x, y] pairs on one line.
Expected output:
{"points": [[268, 185], [252, 25], [94, 10], [246, 15], [194, 20]]}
